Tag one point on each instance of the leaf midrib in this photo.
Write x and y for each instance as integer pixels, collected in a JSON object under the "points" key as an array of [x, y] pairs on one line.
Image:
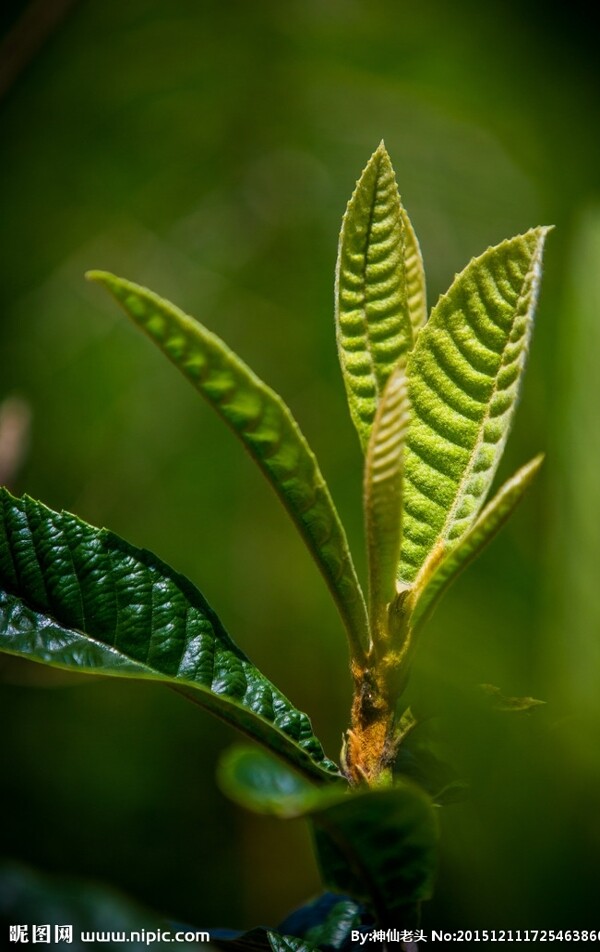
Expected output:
{"points": [[368, 340]]}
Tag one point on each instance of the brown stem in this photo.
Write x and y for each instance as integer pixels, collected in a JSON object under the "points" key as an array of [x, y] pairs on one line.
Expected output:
{"points": [[369, 748]]}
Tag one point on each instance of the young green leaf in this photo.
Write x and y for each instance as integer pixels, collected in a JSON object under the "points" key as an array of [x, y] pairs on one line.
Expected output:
{"points": [[464, 376], [383, 497], [83, 599], [379, 289], [431, 585], [416, 294], [264, 424]]}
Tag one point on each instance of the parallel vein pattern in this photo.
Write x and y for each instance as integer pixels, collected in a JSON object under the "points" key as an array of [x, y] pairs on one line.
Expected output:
{"points": [[383, 496], [487, 524], [264, 424], [464, 378], [82, 598], [374, 281]]}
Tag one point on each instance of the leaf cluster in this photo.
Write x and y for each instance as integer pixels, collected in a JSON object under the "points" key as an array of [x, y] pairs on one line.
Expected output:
{"points": [[432, 400]]}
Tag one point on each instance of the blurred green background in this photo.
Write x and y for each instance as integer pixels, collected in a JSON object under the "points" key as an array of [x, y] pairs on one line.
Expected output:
{"points": [[208, 148]]}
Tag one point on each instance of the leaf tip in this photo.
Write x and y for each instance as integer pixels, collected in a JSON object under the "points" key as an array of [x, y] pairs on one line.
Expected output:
{"points": [[105, 278]]}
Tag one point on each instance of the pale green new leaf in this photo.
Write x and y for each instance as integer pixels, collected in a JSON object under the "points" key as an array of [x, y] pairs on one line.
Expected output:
{"points": [[430, 586], [416, 294], [264, 424], [383, 496], [82, 599], [464, 376], [379, 289]]}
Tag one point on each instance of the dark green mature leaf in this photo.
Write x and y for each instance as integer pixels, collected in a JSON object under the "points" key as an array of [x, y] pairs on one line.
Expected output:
{"points": [[464, 376], [260, 783], [289, 943], [83, 599], [264, 424], [383, 497], [326, 922], [380, 289], [430, 588], [378, 845], [259, 940]]}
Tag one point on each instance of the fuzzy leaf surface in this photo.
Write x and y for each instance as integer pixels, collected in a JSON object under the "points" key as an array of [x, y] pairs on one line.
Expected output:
{"points": [[379, 271], [383, 495], [465, 373], [266, 427], [416, 292], [83, 599], [489, 522]]}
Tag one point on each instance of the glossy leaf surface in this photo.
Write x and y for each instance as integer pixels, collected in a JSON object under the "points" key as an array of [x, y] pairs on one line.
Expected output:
{"points": [[326, 922], [490, 521], [379, 271], [262, 784], [264, 424], [289, 943], [258, 940], [464, 376], [83, 599], [377, 845], [380, 846]]}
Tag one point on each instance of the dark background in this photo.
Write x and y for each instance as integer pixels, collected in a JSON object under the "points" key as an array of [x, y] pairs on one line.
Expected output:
{"points": [[207, 149]]}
